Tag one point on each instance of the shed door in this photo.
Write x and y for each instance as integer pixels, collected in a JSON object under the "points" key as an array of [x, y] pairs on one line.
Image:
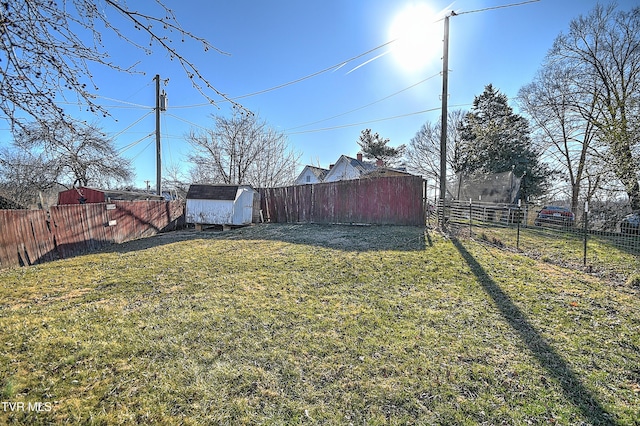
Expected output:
{"points": [[243, 207]]}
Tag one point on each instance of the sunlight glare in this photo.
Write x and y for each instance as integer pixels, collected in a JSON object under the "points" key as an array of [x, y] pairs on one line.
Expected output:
{"points": [[419, 37]]}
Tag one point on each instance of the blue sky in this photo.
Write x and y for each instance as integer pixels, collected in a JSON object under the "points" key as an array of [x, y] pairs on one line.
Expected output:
{"points": [[275, 42]]}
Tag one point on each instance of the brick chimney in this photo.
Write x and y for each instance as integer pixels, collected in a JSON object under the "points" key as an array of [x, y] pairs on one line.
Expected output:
{"points": [[359, 156]]}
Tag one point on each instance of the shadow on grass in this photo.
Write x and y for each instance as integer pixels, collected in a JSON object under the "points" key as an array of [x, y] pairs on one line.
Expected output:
{"points": [[339, 237], [573, 389]]}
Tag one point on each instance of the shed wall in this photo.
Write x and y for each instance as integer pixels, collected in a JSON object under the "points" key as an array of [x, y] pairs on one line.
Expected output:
{"points": [[209, 212], [73, 195]]}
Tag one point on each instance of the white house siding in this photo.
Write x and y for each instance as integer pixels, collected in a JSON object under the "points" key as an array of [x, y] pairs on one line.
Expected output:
{"points": [[342, 170], [302, 179]]}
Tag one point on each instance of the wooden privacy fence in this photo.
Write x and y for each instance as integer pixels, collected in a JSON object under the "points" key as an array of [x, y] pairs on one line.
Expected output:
{"points": [[32, 236], [397, 200]]}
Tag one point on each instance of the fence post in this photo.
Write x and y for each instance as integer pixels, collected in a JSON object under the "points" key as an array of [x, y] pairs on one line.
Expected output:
{"points": [[586, 220], [470, 214], [518, 219]]}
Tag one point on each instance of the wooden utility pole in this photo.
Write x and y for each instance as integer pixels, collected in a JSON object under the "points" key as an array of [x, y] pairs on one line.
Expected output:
{"points": [[158, 156], [443, 127]]}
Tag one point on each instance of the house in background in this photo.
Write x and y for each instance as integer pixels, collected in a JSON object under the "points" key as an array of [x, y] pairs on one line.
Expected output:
{"points": [[311, 174], [348, 168]]}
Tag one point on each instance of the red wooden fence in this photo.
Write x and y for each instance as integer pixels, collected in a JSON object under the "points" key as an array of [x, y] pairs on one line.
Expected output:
{"points": [[33, 236], [386, 200]]}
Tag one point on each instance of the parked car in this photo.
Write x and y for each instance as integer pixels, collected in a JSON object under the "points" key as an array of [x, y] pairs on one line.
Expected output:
{"points": [[630, 224], [555, 215]]}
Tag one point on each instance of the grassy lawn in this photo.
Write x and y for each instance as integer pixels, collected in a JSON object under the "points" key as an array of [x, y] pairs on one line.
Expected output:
{"points": [[616, 257], [310, 324]]}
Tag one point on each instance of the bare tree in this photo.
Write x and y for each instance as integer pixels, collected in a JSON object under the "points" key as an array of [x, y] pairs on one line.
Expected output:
{"points": [[423, 154], [175, 180], [47, 49], [563, 135], [25, 174], [242, 149], [601, 51], [45, 155]]}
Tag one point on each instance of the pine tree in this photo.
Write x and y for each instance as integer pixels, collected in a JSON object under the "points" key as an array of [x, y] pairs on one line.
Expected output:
{"points": [[375, 146], [495, 140]]}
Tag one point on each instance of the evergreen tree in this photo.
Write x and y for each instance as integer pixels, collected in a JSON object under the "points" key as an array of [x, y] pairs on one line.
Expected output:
{"points": [[495, 140], [375, 146]]}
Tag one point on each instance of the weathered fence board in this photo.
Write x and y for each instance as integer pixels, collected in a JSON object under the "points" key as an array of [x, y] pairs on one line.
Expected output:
{"points": [[394, 200], [33, 236]]}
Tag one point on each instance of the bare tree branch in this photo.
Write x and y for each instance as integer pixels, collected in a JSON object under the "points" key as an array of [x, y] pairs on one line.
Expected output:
{"points": [[47, 50]]}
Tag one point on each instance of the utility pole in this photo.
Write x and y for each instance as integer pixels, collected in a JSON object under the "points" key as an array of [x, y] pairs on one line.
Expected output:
{"points": [[443, 127], [158, 156]]}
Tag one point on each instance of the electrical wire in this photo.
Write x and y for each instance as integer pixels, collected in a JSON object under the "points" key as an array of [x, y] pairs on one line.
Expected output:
{"points": [[365, 106], [495, 7], [134, 143], [338, 65], [364, 122], [298, 80], [132, 124], [124, 102], [186, 121], [372, 121], [143, 149]]}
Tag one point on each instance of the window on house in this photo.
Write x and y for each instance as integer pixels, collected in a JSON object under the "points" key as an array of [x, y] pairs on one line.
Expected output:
{"points": [[308, 178]]}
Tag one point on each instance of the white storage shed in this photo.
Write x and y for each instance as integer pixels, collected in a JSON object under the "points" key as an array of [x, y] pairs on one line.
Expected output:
{"points": [[222, 205]]}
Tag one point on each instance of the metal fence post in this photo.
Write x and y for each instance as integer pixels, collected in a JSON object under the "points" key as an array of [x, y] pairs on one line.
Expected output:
{"points": [[470, 214], [518, 219], [586, 220]]}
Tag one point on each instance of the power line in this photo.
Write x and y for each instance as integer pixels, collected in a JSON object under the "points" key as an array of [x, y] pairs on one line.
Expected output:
{"points": [[186, 121], [298, 80], [364, 122], [132, 124], [134, 143], [145, 148], [496, 7], [372, 121], [367, 105], [124, 102]]}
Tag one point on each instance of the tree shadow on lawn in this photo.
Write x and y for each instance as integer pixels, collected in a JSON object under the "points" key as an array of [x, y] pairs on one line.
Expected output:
{"points": [[571, 385]]}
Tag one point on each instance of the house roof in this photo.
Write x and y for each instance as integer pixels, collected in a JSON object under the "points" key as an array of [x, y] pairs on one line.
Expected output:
{"points": [[318, 171], [388, 171], [213, 192], [361, 166]]}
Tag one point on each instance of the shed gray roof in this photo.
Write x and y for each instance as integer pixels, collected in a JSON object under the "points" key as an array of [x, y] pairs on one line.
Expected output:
{"points": [[213, 192]]}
